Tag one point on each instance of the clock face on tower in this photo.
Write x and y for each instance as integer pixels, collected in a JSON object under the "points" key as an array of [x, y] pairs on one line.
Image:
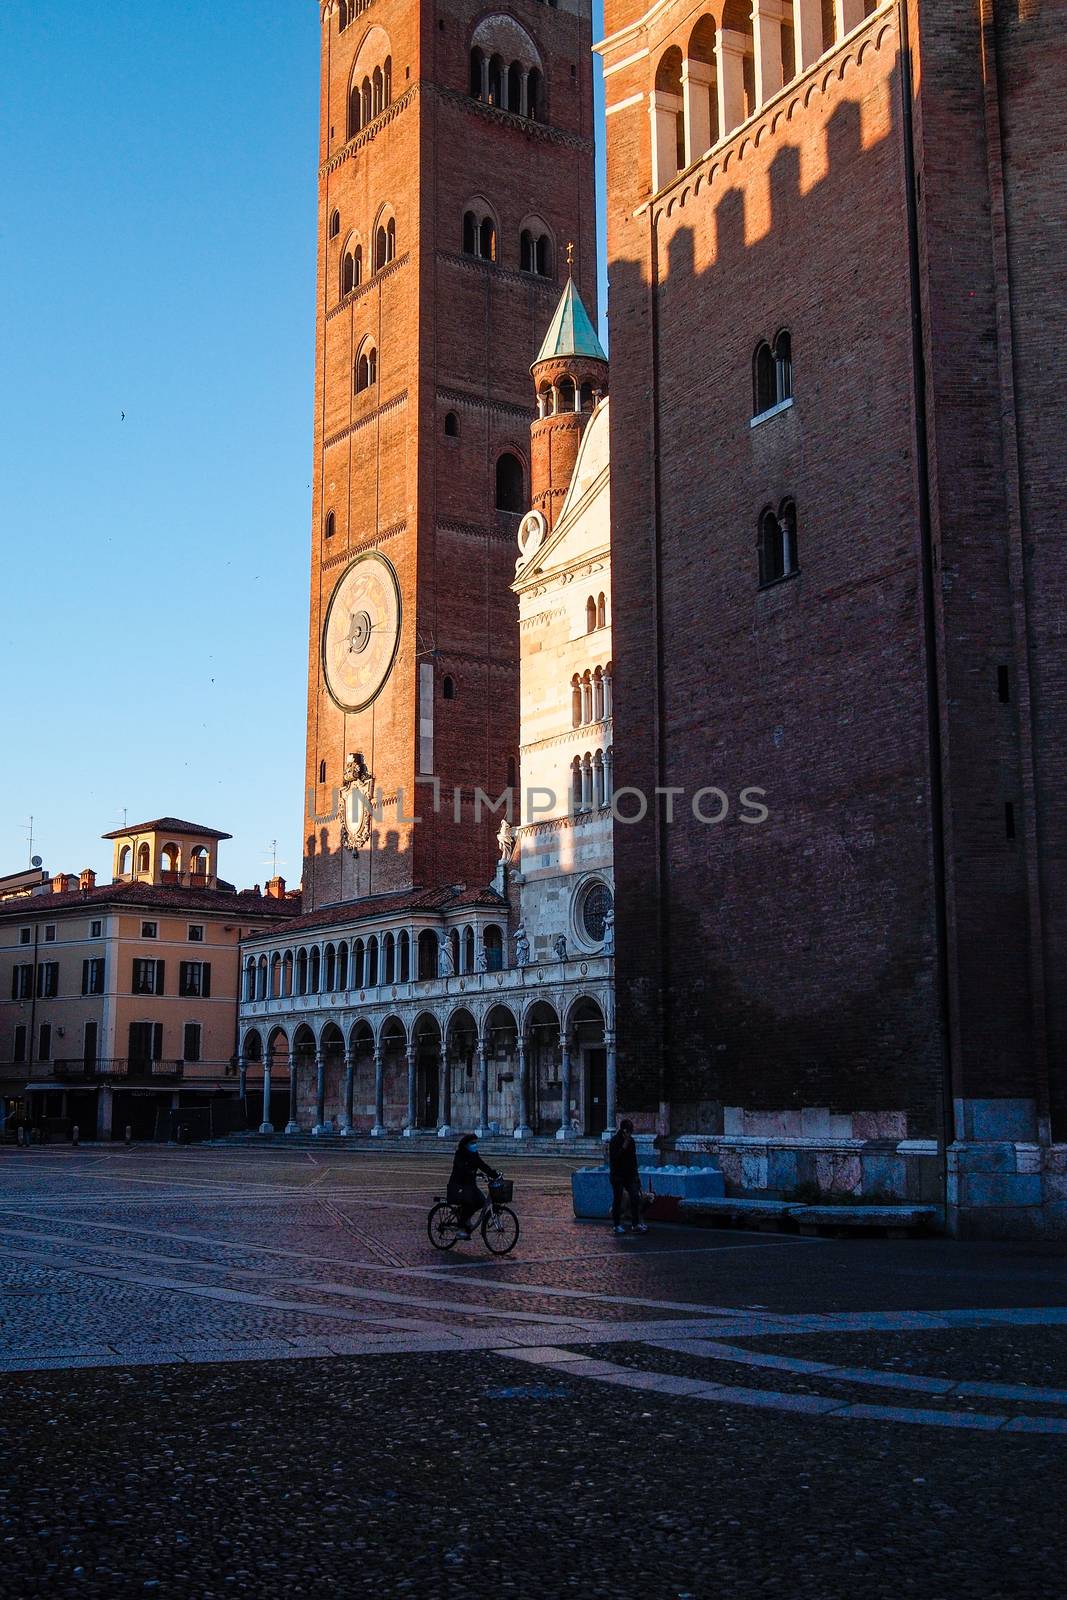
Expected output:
{"points": [[361, 632]]}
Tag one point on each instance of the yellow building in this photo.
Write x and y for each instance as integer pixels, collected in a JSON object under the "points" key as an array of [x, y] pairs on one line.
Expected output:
{"points": [[119, 1001]]}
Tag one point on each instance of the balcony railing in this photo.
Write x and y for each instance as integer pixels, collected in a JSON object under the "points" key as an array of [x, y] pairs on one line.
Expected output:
{"points": [[113, 1067]]}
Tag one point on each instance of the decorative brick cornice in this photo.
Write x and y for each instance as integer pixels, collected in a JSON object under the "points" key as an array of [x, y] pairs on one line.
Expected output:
{"points": [[394, 404], [365, 135], [479, 402], [474, 530], [357, 546], [375, 279], [584, 734], [530, 280], [543, 131]]}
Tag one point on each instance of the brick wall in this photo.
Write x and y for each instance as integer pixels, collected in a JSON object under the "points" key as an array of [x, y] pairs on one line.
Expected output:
{"points": [[454, 335]]}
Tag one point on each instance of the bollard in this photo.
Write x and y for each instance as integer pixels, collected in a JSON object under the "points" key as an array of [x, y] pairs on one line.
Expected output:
{"points": [[75, 1135], [129, 1134]]}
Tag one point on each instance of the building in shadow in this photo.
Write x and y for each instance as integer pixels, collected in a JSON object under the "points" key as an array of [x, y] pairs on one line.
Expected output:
{"points": [[834, 282]]}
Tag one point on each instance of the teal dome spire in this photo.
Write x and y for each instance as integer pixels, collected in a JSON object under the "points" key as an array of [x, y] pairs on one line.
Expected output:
{"points": [[570, 333]]}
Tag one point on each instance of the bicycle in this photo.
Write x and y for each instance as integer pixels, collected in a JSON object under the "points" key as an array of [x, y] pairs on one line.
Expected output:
{"points": [[497, 1222]]}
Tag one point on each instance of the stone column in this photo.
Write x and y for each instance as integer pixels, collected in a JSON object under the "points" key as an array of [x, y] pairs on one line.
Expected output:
{"points": [[409, 1127], [320, 1093], [483, 1088], [663, 111], [266, 1125], [564, 1131], [444, 1096], [807, 24], [485, 78], [848, 14], [379, 1129], [104, 1101], [346, 1114], [767, 43], [522, 1130], [587, 786], [611, 1075], [730, 48], [698, 87], [242, 1079], [524, 92], [293, 1126]]}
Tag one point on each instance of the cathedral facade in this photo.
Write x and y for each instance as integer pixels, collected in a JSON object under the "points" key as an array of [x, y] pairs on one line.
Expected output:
{"points": [[452, 967]]}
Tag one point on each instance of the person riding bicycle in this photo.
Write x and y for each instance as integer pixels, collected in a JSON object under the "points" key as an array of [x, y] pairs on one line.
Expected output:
{"points": [[463, 1191]]}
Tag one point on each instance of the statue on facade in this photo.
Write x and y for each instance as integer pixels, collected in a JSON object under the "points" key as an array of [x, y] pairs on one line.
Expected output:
{"points": [[560, 947], [609, 932], [505, 839], [522, 946], [357, 801], [482, 963], [446, 966]]}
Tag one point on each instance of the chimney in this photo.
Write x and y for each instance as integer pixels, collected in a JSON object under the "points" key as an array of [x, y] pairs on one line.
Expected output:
{"points": [[86, 880], [276, 888], [63, 883]]}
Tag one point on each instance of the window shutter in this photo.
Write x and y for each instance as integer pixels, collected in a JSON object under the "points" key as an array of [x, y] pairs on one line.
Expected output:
{"points": [[160, 965], [15, 982], [86, 969], [157, 1038], [205, 979], [183, 977]]}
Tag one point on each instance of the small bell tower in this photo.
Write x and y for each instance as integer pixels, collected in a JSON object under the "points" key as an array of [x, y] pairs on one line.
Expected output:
{"points": [[570, 376]]}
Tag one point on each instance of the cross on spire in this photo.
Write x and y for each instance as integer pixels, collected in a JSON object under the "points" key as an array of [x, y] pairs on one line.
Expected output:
{"points": [[570, 254]]}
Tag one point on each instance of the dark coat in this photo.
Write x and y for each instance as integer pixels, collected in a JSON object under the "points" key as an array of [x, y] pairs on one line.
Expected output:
{"points": [[466, 1163], [622, 1159]]}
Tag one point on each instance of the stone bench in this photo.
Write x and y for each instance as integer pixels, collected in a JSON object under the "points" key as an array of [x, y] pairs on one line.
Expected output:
{"points": [[766, 1215], [591, 1186], [896, 1221]]}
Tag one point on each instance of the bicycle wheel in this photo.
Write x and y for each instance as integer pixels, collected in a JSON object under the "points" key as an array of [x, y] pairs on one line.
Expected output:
{"points": [[443, 1226], [500, 1230]]}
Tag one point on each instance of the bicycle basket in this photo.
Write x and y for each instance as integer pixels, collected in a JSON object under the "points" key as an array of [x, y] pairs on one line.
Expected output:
{"points": [[501, 1190]]}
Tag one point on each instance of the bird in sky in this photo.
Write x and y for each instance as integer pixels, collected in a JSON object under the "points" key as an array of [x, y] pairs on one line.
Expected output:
{"points": [[123, 417]]}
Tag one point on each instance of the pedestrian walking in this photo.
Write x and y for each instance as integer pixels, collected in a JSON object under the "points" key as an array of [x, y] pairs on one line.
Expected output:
{"points": [[625, 1179]]}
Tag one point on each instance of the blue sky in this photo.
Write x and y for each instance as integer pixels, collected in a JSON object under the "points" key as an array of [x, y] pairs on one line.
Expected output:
{"points": [[157, 248]]}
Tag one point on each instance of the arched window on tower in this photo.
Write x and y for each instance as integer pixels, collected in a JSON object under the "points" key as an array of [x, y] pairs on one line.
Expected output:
{"points": [[378, 91], [366, 371], [535, 94], [783, 366], [668, 120], [335, 223], [479, 235], [590, 615], [778, 543], [498, 82], [601, 611], [764, 387], [351, 267], [322, 772], [451, 425], [487, 240], [576, 701], [700, 91], [331, 525], [510, 484], [384, 243]]}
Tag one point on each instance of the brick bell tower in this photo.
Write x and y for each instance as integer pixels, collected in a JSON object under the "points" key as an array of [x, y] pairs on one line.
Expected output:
{"points": [[570, 376], [456, 159]]}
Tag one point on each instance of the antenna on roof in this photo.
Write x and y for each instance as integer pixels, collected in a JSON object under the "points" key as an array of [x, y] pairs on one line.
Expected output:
{"points": [[30, 831]]}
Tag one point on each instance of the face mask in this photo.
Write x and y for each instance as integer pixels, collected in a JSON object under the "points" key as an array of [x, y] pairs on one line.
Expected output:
{"points": [[472, 1147]]}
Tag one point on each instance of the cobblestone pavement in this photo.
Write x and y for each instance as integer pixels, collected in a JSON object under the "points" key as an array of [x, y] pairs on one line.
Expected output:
{"points": [[245, 1372]]}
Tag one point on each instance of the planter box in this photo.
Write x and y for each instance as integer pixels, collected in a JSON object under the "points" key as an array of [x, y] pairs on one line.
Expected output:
{"points": [[591, 1186]]}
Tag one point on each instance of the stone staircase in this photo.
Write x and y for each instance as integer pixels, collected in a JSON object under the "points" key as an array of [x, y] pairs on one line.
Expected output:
{"points": [[494, 1146]]}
